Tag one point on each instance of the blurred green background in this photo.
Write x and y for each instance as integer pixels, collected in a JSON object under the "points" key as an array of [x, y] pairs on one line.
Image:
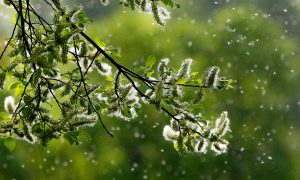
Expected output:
{"points": [[254, 42]]}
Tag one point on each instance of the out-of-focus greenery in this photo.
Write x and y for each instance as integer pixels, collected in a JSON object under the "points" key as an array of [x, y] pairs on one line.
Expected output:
{"points": [[249, 46]]}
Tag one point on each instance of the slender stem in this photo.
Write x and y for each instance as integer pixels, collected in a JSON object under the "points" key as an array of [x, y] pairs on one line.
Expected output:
{"points": [[32, 20], [11, 37], [87, 94]]}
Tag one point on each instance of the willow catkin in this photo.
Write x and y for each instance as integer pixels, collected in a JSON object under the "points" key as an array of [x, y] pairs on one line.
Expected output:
{"points": [[154, 7]]}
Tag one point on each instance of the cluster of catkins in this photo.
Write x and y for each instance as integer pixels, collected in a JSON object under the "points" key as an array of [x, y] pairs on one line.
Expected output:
{"points": [[188, 131], [40, 50], [153, 7], [195, 136]]}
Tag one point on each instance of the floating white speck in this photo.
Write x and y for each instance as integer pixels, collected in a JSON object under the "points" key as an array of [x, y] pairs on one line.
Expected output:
{"points": [[270, 158]]}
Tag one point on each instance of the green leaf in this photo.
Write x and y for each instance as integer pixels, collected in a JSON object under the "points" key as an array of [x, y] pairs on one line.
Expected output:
{"points": [[125, 111], [14, 86], [193, 74], [150, 61], [176, 147], [71, 138], [19, 90], [82, 17], [3, 116], [109, 78], [16, 15], [168, 3], [199, 81], [99, 42], [25, 111], [26, 99], [182, 81], [109, 87], [37, 128], [81, 25], [10, 143], [149, 73], [89, 109]]}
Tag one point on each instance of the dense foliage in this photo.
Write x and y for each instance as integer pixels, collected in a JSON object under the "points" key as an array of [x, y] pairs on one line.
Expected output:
{"points": [[50, 64], [263, 107]]}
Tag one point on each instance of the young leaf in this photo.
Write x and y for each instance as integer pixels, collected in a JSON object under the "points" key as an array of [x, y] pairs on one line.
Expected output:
{"points": [[150, 61], [82, 17], [10, 143], [71, 138]]}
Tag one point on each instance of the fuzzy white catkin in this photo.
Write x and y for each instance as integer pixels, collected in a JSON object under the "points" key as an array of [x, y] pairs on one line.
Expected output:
{"points": [[9, 104], [104, 2], [216, 79], [192, 126], [201, 146], [219, 148], [107, 69], [170, 134], [222, 125], [212, 77], [131, 101], [163, 14], [161, 65], [185, 69]]}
